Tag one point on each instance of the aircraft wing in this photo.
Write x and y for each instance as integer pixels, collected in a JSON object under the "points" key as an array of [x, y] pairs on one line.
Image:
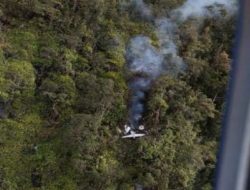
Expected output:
{"points": [[133, 136]]}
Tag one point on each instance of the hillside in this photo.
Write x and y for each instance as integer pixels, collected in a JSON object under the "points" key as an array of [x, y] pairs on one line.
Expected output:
{"points": [[64, 97]]}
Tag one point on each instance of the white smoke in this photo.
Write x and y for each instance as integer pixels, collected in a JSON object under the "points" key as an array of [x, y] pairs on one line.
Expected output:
{"points": [[204, 8], [142, 8], [143, 57], [166, 31], [148, 62]]}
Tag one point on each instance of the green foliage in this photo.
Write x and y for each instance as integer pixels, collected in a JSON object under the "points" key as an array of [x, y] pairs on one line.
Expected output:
{"points": [[59, 89], [22, 45], [17, 83], [64, 98], [101, 98], [16, 143]]}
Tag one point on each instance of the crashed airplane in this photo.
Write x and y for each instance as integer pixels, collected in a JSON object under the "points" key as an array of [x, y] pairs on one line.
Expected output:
{"points": [[130, 132]]}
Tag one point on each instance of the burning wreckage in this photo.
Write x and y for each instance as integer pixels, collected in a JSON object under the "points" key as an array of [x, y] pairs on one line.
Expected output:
{"points": [[138, 87], [132, 132], [146, 63], [151, 62]]}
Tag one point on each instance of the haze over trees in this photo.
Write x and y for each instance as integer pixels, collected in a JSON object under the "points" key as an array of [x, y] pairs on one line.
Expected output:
{"points": [[64, 98]]}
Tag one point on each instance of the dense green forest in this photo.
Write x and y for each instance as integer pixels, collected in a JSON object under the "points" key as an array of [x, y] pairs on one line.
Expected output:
{"points": [[64, 98]]}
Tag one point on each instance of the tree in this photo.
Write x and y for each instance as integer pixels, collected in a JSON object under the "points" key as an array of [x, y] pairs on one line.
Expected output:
{"points": [[17, 86]]}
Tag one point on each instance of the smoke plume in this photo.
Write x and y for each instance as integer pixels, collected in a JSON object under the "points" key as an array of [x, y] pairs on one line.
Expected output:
{"points": [[147, 62], [142, 8], [204, 8], [143, 57]]}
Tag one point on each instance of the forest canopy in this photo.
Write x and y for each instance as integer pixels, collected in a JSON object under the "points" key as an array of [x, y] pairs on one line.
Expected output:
{"points": [[64, 97]]}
